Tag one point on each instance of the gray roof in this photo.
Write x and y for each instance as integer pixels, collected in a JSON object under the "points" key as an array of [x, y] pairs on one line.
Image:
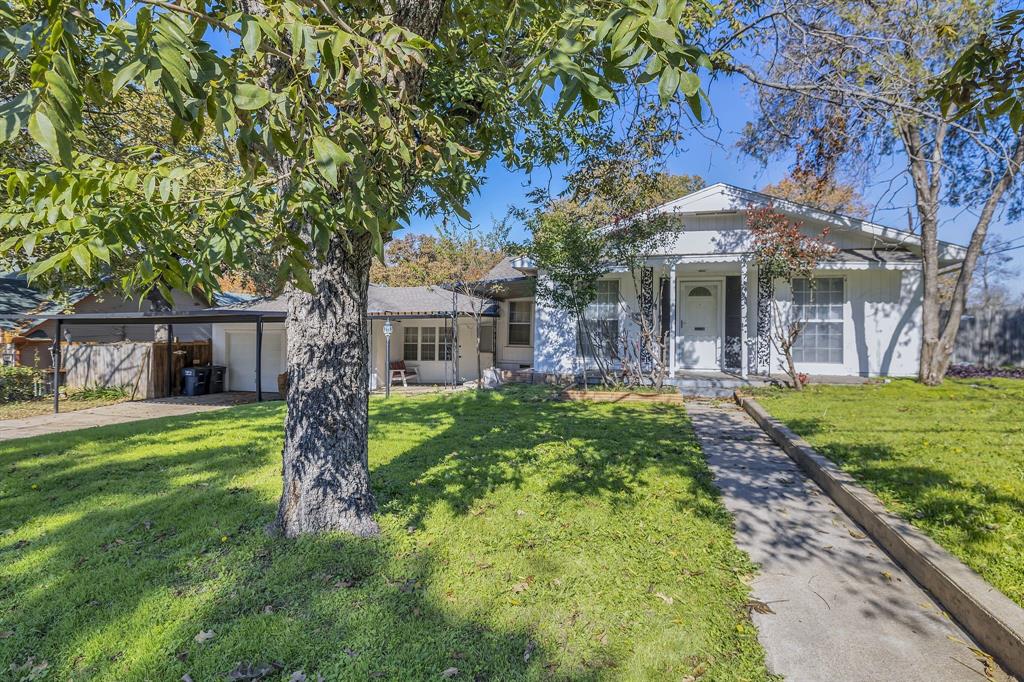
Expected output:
{"points": [[18, 299], [504, 271], [394, 302], [877, 255]]}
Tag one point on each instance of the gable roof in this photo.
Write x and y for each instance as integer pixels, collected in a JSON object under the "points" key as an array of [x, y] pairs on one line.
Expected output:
{"points": [[722, 197]]}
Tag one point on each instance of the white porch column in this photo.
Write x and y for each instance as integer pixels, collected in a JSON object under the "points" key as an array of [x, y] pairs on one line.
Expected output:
{"points": [[672, 320], [743, 318]]}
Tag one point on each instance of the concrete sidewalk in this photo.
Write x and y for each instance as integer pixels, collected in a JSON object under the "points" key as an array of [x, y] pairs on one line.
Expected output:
{"points": [[841, 609], [121, 413]]}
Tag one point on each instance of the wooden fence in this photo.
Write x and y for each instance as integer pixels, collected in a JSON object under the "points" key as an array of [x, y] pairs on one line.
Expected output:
{"points": [[991, 338], [142, 367]]}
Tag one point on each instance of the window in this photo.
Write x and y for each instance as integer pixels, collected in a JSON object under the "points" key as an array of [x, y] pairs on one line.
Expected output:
{"points": [[699, 292], [409, 353], [603, 317], [820, 305], [520, 322], [487, 338], [445, 346], [428, 339]]}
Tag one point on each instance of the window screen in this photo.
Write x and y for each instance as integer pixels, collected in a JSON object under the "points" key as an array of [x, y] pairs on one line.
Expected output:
{"points": [[410, 345], [819, 304], [520, 320], [428, 339]]}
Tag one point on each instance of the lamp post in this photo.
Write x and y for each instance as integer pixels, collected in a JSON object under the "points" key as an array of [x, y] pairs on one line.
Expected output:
{"points": [[387, 357]]}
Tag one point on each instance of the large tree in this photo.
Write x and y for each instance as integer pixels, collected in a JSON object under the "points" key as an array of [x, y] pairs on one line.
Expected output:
{"points": [[853, 83], [344, 119]]}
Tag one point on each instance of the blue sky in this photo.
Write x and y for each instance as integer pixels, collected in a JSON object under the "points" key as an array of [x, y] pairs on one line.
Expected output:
{"points": [[712, 154]]}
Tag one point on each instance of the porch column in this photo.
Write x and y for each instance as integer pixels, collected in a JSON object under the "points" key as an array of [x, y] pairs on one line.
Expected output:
{"points": [[743, 318], [672, 320]]}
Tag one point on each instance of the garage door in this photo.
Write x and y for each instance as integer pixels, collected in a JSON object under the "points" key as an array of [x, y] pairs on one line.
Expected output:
{"points": [[241, 360]]}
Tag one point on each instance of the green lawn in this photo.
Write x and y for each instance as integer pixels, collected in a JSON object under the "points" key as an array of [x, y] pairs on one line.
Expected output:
{"points": [[522, 538], [950, 459]]}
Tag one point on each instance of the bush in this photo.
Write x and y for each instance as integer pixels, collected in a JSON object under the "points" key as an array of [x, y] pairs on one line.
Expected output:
{"points": [[18, 383], [99, 393]]}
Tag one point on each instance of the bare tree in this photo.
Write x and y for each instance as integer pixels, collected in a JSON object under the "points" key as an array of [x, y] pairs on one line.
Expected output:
{"points": [[851, 83]]}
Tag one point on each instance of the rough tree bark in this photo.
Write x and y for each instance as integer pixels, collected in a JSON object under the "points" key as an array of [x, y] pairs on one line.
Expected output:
{"points": [[326, 474], [937, 335]]}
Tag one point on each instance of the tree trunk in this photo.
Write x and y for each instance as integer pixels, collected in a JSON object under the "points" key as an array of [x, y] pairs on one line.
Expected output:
{"points": [[326, 473]]}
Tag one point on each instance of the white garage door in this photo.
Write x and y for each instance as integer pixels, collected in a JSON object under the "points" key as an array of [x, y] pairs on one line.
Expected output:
{"points": [[241, 360]]}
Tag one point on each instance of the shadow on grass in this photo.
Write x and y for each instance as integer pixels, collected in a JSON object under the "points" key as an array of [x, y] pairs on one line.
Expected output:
{"points": [[126, 541]]}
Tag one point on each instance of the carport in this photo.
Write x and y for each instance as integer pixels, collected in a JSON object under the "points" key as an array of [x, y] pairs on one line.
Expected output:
{"points": [[168, 318]]}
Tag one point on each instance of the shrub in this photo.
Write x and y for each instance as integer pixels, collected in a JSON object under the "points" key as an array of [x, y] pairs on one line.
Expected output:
{"points": [[99, 393], [18, 383]]}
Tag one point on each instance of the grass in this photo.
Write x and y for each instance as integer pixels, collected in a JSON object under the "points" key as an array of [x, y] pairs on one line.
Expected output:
{"points": [[80, 399], [522, 538], [949, 459]]}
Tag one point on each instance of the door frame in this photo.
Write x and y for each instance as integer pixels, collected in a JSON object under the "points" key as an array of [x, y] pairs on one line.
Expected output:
{"points": [[719, 282]]}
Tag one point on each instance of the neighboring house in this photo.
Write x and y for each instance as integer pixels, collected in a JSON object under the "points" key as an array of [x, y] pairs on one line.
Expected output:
{"points": [[862, 313], [422, 337]]}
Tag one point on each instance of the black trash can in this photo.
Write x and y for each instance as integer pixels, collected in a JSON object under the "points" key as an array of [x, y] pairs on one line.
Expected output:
{"points": [[217, 378], [195, 380]]}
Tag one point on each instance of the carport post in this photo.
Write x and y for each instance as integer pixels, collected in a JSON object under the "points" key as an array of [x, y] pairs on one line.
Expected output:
{"points": [[56, 369], [170, 360], [259, 359]]}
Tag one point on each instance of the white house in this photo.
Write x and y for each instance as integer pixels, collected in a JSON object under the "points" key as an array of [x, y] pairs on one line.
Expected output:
{"points": [[703, 294]]}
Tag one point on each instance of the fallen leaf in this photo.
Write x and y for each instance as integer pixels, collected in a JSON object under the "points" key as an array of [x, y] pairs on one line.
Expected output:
{"points": [[6, 634], [181, 656], [759, 606], [449, 673], [887, 575], [186, 678], [856, 534], [520, 587], [663, 597], [530, 646], [204, 636], [297, 676]]}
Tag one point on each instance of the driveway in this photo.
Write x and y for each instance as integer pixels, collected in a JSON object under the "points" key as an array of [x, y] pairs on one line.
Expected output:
{"points": [[121, 413]]}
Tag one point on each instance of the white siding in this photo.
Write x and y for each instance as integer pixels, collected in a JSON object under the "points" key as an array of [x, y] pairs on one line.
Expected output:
{"points": [[881, 324]]}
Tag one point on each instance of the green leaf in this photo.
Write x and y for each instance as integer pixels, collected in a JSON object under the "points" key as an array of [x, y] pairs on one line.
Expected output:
{"points": [[251, 36], [14, 115], [689, 83], [249, 96], [328, 157], [668, 85], [82, 257], [126, 74], [662, 30], [54, 141]]}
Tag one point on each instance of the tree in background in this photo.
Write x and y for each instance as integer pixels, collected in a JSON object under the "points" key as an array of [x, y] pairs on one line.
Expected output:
{"points": [[995, 266], [783, 251], [451, 255], [343, 119], [827, 194], [853, 83]]}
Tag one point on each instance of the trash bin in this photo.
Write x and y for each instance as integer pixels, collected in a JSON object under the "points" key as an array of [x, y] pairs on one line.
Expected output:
{"points": [[195, 380], [217, 378]]}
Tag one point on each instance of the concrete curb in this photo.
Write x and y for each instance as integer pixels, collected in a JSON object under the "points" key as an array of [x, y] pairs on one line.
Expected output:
{"points": [[996, 622]]}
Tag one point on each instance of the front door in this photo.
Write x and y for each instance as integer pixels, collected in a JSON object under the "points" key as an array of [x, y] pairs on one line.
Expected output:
{"points": [[700, 345]]}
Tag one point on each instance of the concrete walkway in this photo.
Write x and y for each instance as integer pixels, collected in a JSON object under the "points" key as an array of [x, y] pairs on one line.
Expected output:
{"points": [[840, 608], [121, 413]]}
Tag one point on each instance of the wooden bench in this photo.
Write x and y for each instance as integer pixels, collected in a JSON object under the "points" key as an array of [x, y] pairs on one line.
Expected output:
{"points": [[399, 372]]}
